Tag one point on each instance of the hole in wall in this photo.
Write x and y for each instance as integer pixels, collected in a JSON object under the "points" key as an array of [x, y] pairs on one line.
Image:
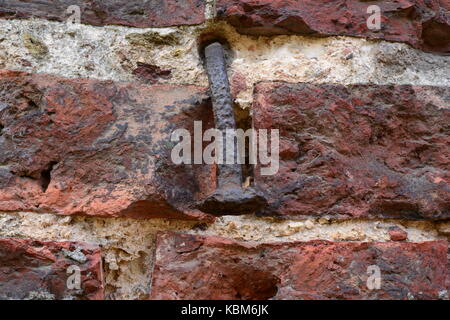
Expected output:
{"points": [[46, 176], [207, 38], [257, 284], [32, 104], [136, 12], [1, 129]]}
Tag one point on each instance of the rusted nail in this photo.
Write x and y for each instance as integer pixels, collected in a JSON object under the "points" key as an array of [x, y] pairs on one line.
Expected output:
{"points": [[230, 197]]}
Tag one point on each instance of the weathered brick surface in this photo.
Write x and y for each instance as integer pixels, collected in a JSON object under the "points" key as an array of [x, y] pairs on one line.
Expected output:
{"points": [[40, 270], [357, 151], [422, 24], [155, 13], [78, 146], [196, 267]]}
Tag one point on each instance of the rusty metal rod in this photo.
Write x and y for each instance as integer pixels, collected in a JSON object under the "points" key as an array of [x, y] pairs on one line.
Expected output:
{"points": [[223, 111], [230, 197]]}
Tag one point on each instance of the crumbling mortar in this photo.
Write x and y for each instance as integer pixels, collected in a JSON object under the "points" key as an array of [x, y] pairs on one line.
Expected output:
{"points": [[106, 53], [128, 243], [288, 58], [210, 10]]}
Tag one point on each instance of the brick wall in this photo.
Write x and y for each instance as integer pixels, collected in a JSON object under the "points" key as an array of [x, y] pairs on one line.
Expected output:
{"points": [[93, 207]]}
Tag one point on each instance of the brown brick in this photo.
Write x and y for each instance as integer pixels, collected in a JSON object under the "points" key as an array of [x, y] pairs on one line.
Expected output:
{"points": [[197, 267], [422, 24], [79, 146], [360, 151], [40, 270], [155, 13]]}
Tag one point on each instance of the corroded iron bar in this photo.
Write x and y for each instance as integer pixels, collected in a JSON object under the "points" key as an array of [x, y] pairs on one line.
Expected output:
{"points": [[223, 112], [229, 197]]}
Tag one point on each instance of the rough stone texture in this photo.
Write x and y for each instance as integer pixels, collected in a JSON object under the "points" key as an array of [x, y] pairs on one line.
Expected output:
{"points": [[39, 270], [197, 267], [78, 146], [357, 151], [444, 228], [122, 53], [113, 53], [423, 24], [397, 234], [155, 13], [149, 73], [251, 228], [128, 245]]}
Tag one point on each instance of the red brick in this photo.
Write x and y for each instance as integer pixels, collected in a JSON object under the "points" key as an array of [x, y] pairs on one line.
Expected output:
{"points": [[149, 73], [421, 23], [37, 269], [198, 267], [397, 234], [89, 147], [155, 13], [360, 151]]}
